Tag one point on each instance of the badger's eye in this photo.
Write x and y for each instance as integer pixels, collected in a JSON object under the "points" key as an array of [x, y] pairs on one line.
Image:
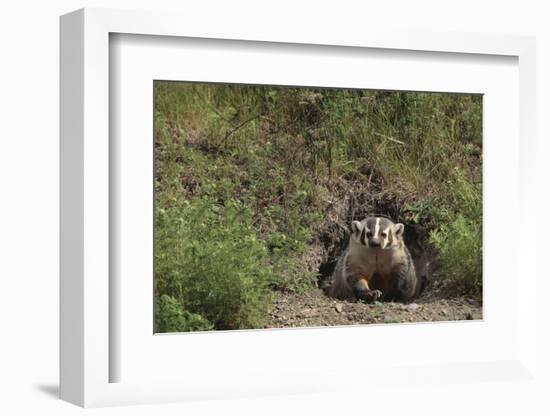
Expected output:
{"points": [[384, 235], [369, 234]]}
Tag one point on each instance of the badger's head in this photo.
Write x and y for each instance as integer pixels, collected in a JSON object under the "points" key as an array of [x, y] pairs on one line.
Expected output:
{"points": [[377, 232]]}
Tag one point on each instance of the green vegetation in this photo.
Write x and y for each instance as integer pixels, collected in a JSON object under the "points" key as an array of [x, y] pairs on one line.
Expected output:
{"points": [[172, 317], [250, 180], [459, 235], [209, 258]]}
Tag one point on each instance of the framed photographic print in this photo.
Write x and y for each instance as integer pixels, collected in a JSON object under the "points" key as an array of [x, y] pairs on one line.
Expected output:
{"points": [[281, 213], [273, 204]]}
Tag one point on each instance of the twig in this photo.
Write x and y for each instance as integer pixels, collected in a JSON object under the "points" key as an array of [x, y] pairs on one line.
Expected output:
{"points": [[391, 139], [234, 129]]}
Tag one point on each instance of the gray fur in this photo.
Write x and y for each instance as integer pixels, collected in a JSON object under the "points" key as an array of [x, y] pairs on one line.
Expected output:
{"points": [[376, 251]]}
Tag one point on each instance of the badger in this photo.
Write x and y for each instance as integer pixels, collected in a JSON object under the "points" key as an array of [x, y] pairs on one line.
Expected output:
{"points": [[376, 265]]}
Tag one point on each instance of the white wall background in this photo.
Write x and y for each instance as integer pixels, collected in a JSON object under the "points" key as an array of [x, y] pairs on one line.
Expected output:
{"points": [[29, 115]]}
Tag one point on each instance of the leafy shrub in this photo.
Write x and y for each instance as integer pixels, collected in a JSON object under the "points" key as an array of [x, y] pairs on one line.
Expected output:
{"points": [[209, 259], [459, 237], [170, 316]]}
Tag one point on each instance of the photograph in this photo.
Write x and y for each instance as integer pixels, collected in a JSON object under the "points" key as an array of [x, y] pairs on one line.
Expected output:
{"points": [[294, 206]]}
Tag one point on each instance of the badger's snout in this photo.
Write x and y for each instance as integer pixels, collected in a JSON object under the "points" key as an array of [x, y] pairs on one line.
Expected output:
{"points": [[375, 243]]}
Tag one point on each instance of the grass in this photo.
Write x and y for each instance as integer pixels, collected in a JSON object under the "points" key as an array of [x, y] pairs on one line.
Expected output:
{"points": [[246, 175]]}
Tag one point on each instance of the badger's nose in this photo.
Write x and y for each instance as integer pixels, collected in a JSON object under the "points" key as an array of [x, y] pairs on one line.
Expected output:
{"points": [[374, 243]]}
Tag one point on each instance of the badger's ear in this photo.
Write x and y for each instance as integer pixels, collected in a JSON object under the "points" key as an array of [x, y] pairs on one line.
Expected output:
{"points": [[356, 227], [398, 229]]}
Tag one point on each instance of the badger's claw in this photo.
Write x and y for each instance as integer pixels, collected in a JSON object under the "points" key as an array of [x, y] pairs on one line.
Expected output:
{"points": [[375, 295], [369, 296]]}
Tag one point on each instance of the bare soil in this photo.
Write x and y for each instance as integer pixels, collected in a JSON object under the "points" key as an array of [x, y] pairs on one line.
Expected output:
{"points": [[313, 308]]}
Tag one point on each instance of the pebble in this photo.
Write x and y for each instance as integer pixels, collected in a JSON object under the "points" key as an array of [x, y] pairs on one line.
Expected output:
{"points": [[339, 308], [411, 307], [444, 312]]}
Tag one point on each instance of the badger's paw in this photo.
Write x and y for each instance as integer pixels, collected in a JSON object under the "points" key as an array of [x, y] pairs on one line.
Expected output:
{"points": [[369, 296], [375, 295]]}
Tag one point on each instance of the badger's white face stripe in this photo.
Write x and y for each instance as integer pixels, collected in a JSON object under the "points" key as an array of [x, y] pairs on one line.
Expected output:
{"points": [[386, 242], [377, 228]]}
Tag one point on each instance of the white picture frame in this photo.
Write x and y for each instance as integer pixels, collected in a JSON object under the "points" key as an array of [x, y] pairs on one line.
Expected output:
{"points": [[86, 355]]}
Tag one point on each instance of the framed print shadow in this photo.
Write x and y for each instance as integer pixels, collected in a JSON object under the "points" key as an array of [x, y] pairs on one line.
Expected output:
{"points": [[289, 207], [237, 208]]}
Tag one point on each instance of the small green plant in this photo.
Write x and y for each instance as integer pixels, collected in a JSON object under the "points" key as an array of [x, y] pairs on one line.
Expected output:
{"points": [[459, 245], [170, 316], [424, 212], [459, 237]]}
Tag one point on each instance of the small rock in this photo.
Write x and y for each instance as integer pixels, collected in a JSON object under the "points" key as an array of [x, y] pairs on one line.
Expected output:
{"points": [[411, 307], [472, 302], [339, 308], [443, 312]]}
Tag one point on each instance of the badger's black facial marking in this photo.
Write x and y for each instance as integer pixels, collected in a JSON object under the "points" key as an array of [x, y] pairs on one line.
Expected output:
{"points": [[363, 239], [379, 234], [358, 232]]}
